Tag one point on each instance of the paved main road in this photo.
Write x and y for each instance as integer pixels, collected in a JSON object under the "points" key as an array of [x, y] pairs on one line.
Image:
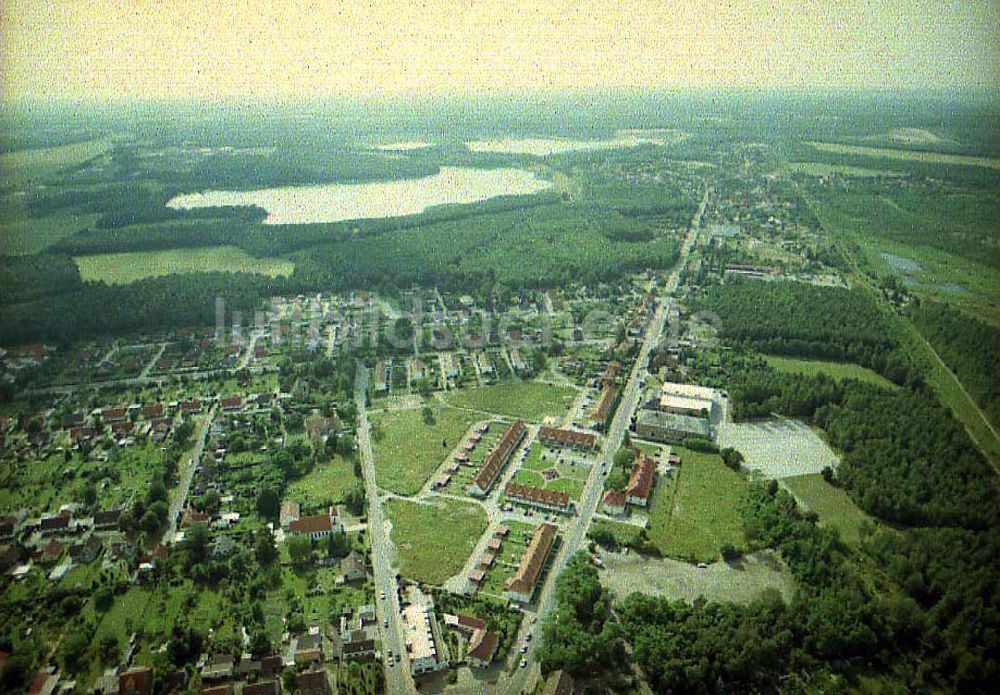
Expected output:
{"points": [[576, 533], [397, 677]]}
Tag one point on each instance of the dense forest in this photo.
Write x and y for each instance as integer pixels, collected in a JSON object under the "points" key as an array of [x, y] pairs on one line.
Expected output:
{"points": [[969, 347], [801, 320]]}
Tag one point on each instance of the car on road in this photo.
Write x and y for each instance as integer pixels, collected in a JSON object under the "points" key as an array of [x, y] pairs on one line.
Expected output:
{"points": [[385, 623], [702, 565], [392, 662], [524, 663], [382, 596], [524, 648], [527, 637]]}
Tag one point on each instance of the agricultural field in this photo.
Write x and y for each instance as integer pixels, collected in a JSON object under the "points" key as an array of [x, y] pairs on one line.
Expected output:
{"points": [[408, 450], [693, 517], [22, 167], [325, 484], [833, 506], [434, 539], [529, 400], [834, 370], [23, 234], [123, 268], [824, 169], [907, 155]]}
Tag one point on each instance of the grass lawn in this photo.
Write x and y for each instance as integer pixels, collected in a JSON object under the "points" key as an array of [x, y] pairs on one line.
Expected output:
{"points": [[326, 484], [835, 370], [571, 486], [699, 512], [122, 268], [434, 540], [527, 477], [834, 507], [623, 533], [407, 451], [530, 400]]}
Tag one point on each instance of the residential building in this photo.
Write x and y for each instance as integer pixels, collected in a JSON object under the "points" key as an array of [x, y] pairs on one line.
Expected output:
{"points": [[136, 681], [554, 436], [605, 402], [289, 513], [613, 503], [495, 460], [548, 500], [522, 585], [640, 482]]}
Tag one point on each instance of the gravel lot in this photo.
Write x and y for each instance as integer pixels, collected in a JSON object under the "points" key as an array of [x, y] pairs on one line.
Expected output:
{"points": [[778, 448], [741, 581]]}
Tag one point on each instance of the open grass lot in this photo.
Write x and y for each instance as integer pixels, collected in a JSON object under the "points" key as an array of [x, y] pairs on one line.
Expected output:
{"points": [[834, 507], [325, 484], [407, 450], [123, 268], [907, 155], [835, 370], [529, 400], [434, 540], [703, 512]]}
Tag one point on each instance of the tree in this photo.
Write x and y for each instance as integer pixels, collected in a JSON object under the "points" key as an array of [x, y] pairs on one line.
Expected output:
{"points": [[264, 549], [300, 549], [89, 494], [354, 500], [157, 492], [268, 504], [732, 458], [624, 458], [210, 502], [108, 649], [149, 523], [337, 545], [104, 598], [74, 647], [196, 544]]}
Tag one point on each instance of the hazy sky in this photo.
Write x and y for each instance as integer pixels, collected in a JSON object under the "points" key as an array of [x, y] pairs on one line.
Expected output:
{"points": [[285, 49]]}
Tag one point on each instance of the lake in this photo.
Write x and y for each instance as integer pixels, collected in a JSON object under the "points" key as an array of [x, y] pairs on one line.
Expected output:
{"points": [[543, 147], [352, 201]]}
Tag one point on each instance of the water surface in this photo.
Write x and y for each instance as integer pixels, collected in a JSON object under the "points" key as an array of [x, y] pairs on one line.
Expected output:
{"points": [[340, 201]]}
